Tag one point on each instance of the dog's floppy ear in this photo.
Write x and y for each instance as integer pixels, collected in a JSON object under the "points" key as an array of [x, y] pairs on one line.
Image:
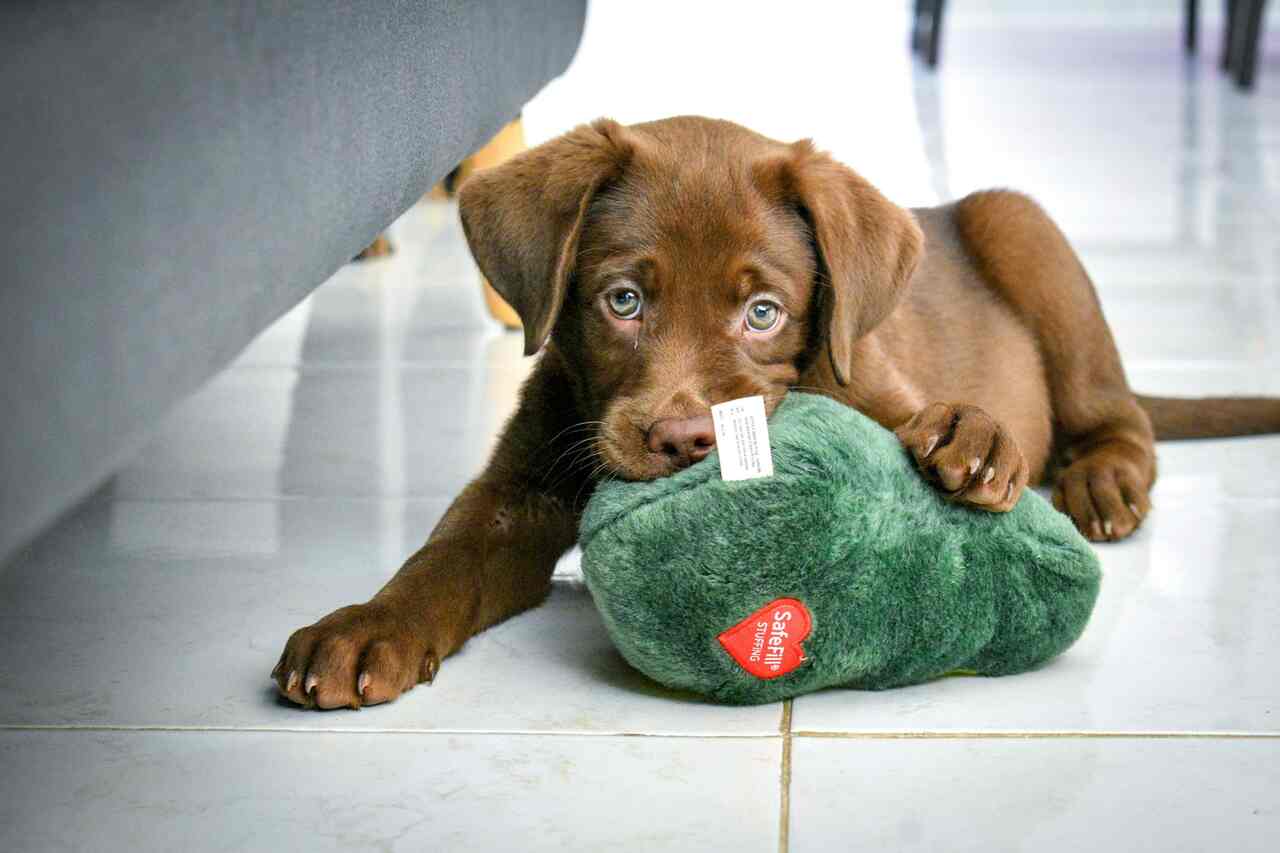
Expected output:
{"points": [[523, 219], [867, 246]]}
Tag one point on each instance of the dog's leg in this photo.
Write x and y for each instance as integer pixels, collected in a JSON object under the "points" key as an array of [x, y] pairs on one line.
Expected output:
{"points": [[490, 557], [1105, 438]]}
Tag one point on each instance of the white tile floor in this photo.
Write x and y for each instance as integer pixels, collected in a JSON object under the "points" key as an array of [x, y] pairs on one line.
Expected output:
{"points": [[140, 631]]}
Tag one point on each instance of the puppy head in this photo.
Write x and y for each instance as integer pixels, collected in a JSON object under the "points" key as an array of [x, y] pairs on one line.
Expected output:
{"points": [[681, 263]]}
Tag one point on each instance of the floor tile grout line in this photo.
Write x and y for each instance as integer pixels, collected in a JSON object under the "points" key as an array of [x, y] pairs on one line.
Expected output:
{"points": [[71, 727], [1039, 735], [785, 733], [784, 806]]}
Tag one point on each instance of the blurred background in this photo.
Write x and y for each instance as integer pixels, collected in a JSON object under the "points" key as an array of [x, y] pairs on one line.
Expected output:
{"points": [[1090, 106]]}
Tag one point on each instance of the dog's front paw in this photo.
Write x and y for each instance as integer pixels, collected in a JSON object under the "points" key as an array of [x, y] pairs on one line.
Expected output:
{"points": [[1105, 493], [967, 454], [359, 655]]}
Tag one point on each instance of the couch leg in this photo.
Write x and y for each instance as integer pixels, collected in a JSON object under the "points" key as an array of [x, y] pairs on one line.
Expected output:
{"points": [[379, 248], [508, 143]]}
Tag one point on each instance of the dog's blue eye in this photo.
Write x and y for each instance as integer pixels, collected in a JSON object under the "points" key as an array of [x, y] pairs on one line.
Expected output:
{"points": [[624, 303], [763, 315]]}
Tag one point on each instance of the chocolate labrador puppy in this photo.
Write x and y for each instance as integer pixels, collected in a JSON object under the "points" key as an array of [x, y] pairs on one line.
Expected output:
{"points": [[664, 267]]}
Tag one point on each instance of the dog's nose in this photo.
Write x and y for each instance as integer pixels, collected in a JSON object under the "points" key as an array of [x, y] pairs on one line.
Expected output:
{"points": [[684, 440]]}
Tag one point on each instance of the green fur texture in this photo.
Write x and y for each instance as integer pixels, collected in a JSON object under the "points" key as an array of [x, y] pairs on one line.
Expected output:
{"points": [[902, 585]]}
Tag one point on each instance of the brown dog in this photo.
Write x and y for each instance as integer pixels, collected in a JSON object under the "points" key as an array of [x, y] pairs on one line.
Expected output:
{"points": [[667, 266]]}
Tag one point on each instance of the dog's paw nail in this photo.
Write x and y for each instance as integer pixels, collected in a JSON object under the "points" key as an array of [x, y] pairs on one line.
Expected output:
{"points": [[1008, 493], [989, 476], [1096, 528], [1108, 527], [930, 445], [293, 680], [312, 681], [1133, 508], [362, 683], [974, 466]]}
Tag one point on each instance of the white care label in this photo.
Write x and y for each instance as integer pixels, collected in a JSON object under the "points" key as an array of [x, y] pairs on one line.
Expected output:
{"points": [[742, 439]]}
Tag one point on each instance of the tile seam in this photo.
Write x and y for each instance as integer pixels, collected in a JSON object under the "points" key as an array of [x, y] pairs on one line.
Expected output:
{"points": [[784, 805], [71, 727], [1038, 735]]}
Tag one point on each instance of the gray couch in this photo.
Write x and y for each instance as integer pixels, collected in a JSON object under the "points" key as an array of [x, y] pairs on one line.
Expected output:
{"points": [[178, 173]]}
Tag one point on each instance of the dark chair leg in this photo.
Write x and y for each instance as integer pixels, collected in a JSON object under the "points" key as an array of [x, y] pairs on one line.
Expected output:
{"points": [[917, 25], [1190, 25], [1228, 30], [1245, 47], [935, 34]]}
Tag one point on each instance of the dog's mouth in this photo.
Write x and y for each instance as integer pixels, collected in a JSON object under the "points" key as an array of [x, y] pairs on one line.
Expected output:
{"points": [[630, 459], [630, 448]]}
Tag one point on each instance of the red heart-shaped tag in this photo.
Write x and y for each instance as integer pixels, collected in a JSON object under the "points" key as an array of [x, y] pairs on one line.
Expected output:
{"points": [[767, 643]]}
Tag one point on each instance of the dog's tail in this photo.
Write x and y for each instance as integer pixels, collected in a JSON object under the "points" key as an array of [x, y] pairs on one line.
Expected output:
{"points": [[1211, 417]]}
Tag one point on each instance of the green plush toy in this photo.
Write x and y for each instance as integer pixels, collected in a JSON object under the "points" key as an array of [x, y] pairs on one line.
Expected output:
{"points": [[843, 568]]}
